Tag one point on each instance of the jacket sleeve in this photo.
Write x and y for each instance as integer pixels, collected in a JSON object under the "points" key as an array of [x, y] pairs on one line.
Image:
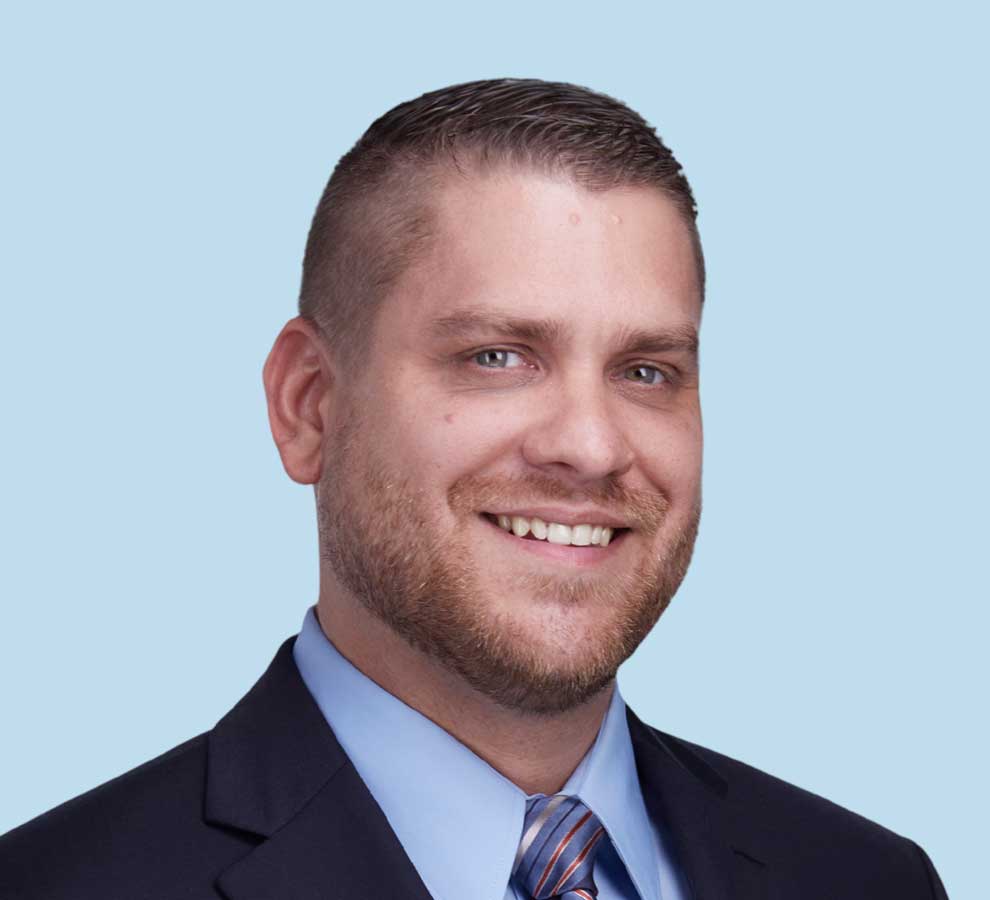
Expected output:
{"points": [[934, 882]]}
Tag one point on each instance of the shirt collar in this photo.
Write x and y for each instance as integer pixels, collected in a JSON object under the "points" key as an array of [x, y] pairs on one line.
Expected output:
{"points": [[458, 819], [607, 782]]}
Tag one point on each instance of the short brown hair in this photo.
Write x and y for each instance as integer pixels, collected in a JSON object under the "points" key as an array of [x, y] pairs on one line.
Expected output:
{"points": [[373, 218]]}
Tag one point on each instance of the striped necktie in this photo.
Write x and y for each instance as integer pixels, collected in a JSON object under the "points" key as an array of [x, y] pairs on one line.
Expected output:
{"points": [[561, 838]]}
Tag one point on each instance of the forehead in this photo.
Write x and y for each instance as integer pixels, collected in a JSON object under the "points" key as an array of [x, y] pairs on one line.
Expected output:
{"points": [[538, 247]]}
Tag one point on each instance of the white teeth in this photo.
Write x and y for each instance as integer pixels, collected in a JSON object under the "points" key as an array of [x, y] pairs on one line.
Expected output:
{"points": [[581, 535], [556, 533]]}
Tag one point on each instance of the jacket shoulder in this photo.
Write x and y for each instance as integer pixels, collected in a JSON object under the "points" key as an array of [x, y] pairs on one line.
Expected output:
{"points": [[137, 835], [758, 789], [804, 832]]}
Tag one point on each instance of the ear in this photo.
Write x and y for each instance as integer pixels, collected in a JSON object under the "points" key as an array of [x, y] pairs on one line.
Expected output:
{"points": [[298, 384]]}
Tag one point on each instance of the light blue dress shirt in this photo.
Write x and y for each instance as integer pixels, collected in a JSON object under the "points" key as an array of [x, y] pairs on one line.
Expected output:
{"points": [[431, 788]]}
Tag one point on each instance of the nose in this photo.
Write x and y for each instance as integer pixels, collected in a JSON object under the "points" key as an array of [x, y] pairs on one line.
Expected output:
{"points": [[578, 438]]}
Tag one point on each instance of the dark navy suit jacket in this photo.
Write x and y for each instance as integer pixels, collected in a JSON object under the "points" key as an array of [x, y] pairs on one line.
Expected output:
{"points": [[267, 806]]}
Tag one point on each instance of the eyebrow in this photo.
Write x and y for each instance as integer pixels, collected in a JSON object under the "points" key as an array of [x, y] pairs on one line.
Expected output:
{"points": [[676, 338], [466, 322]]}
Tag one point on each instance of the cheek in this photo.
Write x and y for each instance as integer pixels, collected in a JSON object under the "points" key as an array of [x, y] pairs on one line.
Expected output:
{"points": [[468, 442], [672, 456], [430, 435], [469, 426], [438, 443]]}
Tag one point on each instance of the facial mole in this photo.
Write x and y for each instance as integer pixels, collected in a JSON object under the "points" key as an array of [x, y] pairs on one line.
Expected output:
{"points": [[574, 219]]}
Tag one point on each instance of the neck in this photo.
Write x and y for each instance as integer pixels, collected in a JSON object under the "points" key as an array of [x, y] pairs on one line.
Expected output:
{"points": [[537, 753]]}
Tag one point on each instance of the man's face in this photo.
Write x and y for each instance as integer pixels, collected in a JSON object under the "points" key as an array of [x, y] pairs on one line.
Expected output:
{"points": [[538, 362]]}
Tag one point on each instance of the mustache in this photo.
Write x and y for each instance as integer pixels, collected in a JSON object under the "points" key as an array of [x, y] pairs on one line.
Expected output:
{"points": [[643, 510]]}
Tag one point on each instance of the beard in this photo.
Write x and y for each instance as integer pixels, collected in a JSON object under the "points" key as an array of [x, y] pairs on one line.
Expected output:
{"points": [[386, 546]]}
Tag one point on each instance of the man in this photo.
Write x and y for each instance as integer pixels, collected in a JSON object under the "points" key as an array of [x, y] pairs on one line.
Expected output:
{"points": [[493, 387]]}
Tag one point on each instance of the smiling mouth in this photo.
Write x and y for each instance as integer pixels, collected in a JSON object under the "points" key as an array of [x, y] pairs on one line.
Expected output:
{"points": [[579, 538]]}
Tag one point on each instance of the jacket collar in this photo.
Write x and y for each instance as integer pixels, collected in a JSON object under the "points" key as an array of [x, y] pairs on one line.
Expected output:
{"points": [[276, 771], [691, 801]]}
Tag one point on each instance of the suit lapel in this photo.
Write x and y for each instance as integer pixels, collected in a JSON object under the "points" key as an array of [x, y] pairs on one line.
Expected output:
{"points": [[339, 846], [690, 799], [276, 771]]}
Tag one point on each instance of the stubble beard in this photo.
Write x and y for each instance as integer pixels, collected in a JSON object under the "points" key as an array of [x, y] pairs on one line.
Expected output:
{"points": [[378, 536]]}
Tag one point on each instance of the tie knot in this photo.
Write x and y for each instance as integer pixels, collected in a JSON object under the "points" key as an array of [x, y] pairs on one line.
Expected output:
{"points": [[561, 838]]}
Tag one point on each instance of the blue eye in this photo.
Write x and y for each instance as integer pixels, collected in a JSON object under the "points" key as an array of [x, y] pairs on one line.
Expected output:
{"points": [[494, 359], [643, 369]]}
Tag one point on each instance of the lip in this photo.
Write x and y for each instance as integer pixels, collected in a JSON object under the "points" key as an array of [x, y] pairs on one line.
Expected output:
{"points": [[579, 557], [588, 516]]}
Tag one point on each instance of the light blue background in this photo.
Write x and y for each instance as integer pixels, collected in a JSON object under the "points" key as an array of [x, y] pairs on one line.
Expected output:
{"points": [[161, 163]]}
